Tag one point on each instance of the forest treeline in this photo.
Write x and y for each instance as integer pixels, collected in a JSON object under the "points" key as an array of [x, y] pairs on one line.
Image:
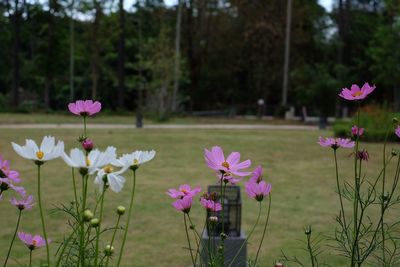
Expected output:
{"points": [[199, 55]]}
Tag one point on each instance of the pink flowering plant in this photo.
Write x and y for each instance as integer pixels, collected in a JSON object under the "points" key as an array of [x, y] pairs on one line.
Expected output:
{"points": [[86, 216], [364, 233], [229, 170]]}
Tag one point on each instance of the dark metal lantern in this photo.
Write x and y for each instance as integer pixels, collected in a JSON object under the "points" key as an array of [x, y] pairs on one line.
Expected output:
{"points": [[232, 211]]}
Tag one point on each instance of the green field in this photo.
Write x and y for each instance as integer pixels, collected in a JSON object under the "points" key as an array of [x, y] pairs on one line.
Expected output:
{"points": [[300, 171]]}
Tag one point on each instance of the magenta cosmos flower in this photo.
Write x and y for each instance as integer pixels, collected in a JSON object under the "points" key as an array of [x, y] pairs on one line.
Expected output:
{"points": [[32, 242], [335, 143], [258, 190], [183, 191], [257, 175], [84, 107], [397, 131], [24, 203], [6, 172], [215, 159], [210, 205], [183, 204], [356, 131], [357, 93], [6, 184]]}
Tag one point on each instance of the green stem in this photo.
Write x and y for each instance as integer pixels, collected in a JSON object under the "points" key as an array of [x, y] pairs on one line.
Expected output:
{"points": [[198, 236], [75, 194], [113, 237], [248, 237], [30, 258], [265, 229], [223, 221], [82, 222], [355, 201], [99, 227], [339, 192], [42, 218], [188, 239], [128, 219], [310, 250], [383, 192], [65, 246], [84, 126], [13, 239]]}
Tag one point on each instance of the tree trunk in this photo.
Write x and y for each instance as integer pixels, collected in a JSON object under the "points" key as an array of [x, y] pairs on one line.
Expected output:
{"points": [[190, 53], [174, 104], [396, 96], [95, 51], [71, 53], [15, 54], [121, 56], [139, 104], [287, 54], [50, 52]]}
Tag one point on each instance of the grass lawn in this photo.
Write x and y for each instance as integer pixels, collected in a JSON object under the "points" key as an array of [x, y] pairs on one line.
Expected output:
{"points": [[129, 118], [301, 172]]}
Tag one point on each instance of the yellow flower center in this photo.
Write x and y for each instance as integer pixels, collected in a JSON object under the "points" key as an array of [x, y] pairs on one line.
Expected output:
{"points": [[225, 164], [135, 162], [358, 93], [108, 169], [87, 162], [34, 242], [184, 191], [39, 154]]}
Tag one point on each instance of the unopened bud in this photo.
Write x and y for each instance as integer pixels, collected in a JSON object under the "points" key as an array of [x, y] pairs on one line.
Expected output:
{"points": [[192, 227], [307, 230], [279, 264], [121, 210], [395, 120], [213, 219], [109, 250], [95, 222], [87, 215], [394, 152], [223, 236], [220, 248], [385, 196], [87, 144]]}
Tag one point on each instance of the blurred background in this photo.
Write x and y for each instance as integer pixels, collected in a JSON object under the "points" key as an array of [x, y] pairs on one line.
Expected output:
{"points": [[280, 58]]}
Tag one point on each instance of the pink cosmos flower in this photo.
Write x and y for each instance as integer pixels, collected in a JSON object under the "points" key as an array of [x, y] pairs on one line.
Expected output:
{"points": [[32, 242], [355, 93], [6, 184], [258, 190], [335, 143], [84, 108], [210, 205], [183, 204], [183, 191], [6, 172], [363, 155], [397, 131], [357, 131], [257, 175], [215, 159], [24, 203]]}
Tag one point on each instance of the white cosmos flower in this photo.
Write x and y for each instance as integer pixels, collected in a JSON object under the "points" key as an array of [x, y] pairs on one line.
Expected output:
{"points": [[134, 159], [93, 161], [48, 149], [114, 178]]}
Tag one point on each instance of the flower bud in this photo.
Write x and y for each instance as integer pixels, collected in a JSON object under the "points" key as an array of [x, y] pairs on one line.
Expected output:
{"points": [[394, 152], [95, 222], [87, 144], [395, 120], [87, 215], [279, 264], [220, 248], [223, 236], [307, 230], [213, 219], [385, 196], [121, 210], [109, 250], [192, 227]]}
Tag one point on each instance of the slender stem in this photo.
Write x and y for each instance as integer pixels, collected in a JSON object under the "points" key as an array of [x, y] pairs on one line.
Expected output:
{"points": [[355, 201], [223, 235], [42, 218], [84, 126], [75, 194], [209, 241], [248, 237], [188, 239], [82, 222], [65, 246], [265, 229], [30, 258], [99, 227], [113, 237], [383, 192], [310, 250], [198, 236], [13, 239], [128, 219], [339, 191]]}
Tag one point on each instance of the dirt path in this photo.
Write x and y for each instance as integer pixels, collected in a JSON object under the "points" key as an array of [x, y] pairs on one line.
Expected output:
{"points": [[163, 126]]}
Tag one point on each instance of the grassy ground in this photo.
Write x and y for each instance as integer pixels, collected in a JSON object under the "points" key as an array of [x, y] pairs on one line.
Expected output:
{"points": [[300, 171], [129, 118]]}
